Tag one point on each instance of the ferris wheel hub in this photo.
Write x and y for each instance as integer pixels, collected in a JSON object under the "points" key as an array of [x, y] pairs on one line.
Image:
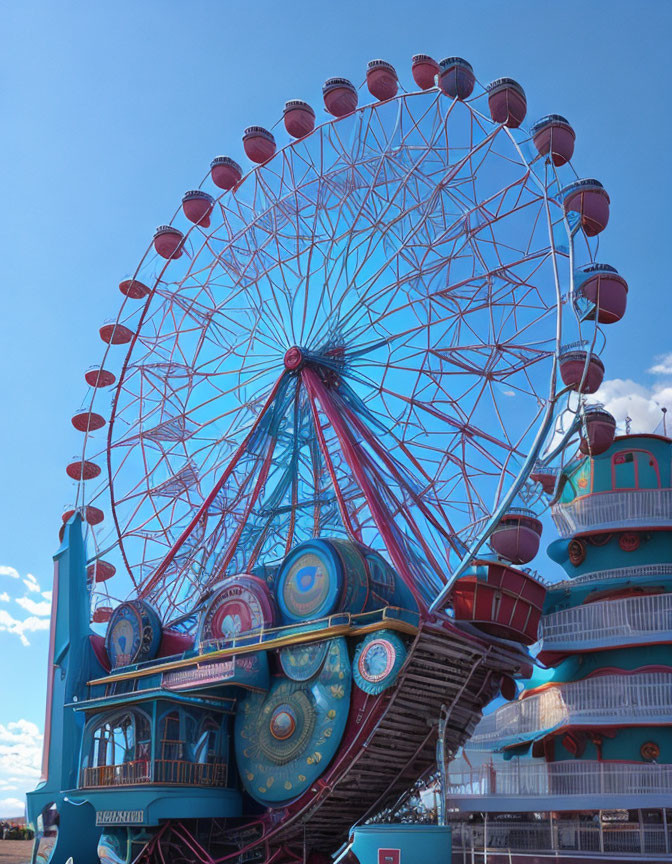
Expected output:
{"points": [[293, 359]]}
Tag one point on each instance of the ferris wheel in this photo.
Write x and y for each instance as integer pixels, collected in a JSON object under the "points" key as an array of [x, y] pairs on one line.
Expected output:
{"points": [[360, 335]]}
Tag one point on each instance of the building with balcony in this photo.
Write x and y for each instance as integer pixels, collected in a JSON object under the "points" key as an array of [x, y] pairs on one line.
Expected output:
{"points": [[580, 762]]}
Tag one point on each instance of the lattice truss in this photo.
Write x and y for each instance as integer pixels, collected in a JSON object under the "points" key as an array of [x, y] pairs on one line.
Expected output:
{"points": [[417, 258]]}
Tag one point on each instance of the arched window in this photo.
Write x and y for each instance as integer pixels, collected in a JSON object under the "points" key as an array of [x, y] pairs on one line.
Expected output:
{"points": [[119, 751], [123, 738], [208, 747]]}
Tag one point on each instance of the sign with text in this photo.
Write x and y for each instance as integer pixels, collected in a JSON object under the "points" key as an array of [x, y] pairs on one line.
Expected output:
{"points": [[120, 817]]}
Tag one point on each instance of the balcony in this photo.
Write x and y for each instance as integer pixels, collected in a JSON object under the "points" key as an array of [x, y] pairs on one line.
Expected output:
{"points": [[607, 700], [610, 511], [628, 621], [582, 784], [163, 772]]}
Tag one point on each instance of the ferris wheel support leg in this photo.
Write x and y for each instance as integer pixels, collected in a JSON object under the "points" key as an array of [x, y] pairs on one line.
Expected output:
{"points": [[317, 390]]}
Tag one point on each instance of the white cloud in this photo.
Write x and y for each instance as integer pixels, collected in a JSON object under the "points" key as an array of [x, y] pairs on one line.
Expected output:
{"points": [[663, 366], [32, 624], [626, 398], [31, 583], [38, 610], [41, 608], [12, 807], [20, 763]]}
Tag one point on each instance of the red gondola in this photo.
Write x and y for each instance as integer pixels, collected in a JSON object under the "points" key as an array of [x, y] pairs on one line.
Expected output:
{"points": [[197, 206], [606, 290], [516, 537], [456, 77], [134, 289], [573, 364], [258, 143], [590, 200], [168, 241], [340, 96], [115, 334], [82, 470], [225, 172], [87, 421], [507, 102], [501, 601], [598, 431], [381, 79], [554, 137], [97, 377], [424, 70], [100, 571], [299, 118]]}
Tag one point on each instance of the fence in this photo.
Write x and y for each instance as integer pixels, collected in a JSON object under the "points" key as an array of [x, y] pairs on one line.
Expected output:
{"points": [[603, 510], [602, 699], [162, 771], [615, 838], [548, 780], [611, 621]]}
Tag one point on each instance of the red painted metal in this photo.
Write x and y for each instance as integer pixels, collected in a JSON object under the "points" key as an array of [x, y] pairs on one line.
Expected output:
{"points": [[225, 172], [87, 421], [590, 200], [554, 137], [82, 470], [598, 431], [516, 537], [424, 70], [456, 78], [149, 583], [381, 517], [258, 143], [606, 290], [168, 241], [507, 102], [504, 602], [340, 96], [197, 206], [299, 118], [576, 366], [134, 289], [381, 79], [99, 378], [115, 334], [100, 571]]}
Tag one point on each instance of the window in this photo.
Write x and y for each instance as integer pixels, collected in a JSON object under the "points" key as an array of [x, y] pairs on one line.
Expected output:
{"points": [[207, 750], [634, 469], [120, 739]]}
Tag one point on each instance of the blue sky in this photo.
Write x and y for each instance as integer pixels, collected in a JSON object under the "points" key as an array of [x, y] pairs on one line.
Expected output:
{"points": [[111, 111]]}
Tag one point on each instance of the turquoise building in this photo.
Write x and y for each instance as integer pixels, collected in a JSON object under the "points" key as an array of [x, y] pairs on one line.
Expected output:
{"points": [[582, 759]]}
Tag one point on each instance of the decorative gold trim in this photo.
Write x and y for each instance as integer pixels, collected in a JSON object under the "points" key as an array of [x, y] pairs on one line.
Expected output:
{"points": [[295, 639]]}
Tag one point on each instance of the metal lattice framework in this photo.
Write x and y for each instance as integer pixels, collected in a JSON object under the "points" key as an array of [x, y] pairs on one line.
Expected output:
{"points": [[362, 343]]}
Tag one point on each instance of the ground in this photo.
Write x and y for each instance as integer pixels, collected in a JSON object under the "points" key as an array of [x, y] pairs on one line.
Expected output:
{"points": [[15, 851]]}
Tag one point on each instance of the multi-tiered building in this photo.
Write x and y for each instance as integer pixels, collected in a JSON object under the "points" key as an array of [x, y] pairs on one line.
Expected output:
{"points": [[581, 760]]}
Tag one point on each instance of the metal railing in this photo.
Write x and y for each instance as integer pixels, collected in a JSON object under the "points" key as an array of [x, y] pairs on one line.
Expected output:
{"points": [[601, 511], [560, 779], [615, 838], [637, 571], [167, 772], [616, 622], [605, 699]]}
